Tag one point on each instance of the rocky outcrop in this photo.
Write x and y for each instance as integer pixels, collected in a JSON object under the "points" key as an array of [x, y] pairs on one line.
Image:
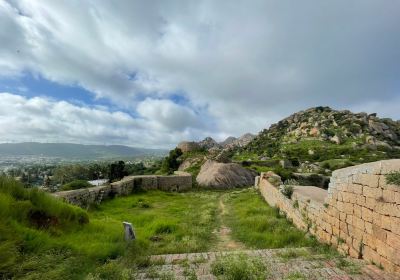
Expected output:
{"points": [[209, 143], [228, 141], [326, 124], [186, 146], [242, 141], [224, 175]]}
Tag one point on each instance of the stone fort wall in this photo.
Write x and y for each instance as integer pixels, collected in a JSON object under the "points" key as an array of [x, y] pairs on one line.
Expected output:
{"points": [[181, 181], [359, 213]]}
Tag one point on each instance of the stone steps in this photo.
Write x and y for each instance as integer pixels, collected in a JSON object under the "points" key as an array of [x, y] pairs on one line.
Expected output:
{"points": [[302, 262]]}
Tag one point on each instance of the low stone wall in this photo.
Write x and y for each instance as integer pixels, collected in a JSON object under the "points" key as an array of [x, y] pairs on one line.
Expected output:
{"points": [[359, 214], [83, 197]]}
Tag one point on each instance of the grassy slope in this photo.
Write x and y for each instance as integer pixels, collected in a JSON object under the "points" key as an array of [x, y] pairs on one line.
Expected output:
{"points": [[68, 250]]}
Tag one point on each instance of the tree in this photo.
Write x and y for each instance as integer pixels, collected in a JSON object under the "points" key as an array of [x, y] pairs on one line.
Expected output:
{"points": [[171, 163], [117, 171]]}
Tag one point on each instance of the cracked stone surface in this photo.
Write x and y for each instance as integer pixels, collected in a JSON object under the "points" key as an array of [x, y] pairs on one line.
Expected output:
{"points": [[303, 265]]}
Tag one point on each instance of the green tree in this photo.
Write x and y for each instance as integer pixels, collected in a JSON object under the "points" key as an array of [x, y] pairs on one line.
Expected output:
{"points": [[117, 171], [171, 162]]}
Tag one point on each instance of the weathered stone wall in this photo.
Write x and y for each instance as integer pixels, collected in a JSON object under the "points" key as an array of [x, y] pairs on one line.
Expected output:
{"points": [[360, 213], [179, 182]]}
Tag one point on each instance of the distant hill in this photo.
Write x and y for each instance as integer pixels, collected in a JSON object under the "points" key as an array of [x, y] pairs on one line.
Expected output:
{"points": [[75, 151]]}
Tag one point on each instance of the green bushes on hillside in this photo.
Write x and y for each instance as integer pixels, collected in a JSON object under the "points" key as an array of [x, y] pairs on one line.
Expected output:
{"points": [[77, 184]]}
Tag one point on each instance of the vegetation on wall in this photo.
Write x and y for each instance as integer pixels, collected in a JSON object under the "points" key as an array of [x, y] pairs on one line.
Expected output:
{"points": [[393, 178], [76, 184]]}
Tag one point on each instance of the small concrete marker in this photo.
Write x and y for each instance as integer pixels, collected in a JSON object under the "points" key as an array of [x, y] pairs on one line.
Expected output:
{"points": [[129, 232]]}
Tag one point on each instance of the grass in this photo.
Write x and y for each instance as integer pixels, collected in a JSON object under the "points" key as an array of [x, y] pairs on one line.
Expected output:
{"points": [[258, 225], [65, 245], [44, 238], [239, 267], [393, 178]]}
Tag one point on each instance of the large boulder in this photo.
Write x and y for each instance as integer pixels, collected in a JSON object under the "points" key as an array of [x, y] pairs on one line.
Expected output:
{"points": [[186, 146], [224, 175]]}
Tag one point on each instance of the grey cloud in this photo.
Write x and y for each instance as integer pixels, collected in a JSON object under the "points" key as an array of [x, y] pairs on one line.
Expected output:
{"points": [[247, 63]]}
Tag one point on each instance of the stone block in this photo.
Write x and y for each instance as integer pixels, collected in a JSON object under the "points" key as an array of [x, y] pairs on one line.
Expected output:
{"points": [[393, 240], [395, 225], [349, 219], [358, 223], [379, 233], [370, 202], [389, 195], [367, 214], [372, 192], [348, 208], [360, 200], [382, 248], [386, 222], [356, 189], [357, 211], [369, 240], [368, 227], [366, 180]]}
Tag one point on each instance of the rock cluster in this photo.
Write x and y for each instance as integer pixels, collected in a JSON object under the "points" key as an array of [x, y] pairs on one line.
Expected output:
{"points": [[324, 123]]}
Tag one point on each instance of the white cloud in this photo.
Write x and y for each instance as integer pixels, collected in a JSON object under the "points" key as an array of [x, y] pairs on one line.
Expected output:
{"points": [[244, 64], [42, 119]]}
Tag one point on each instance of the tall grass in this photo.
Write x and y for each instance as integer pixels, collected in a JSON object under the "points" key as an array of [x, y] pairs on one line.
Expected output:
{"points": [[258, 225], [44, 238]]}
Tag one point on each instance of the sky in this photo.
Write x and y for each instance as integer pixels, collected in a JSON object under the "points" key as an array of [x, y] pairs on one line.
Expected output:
{"points": [[154, 73]]}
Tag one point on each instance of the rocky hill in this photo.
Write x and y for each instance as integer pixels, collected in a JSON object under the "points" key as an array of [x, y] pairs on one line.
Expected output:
{"points": [[306, 146], [320, 139]]}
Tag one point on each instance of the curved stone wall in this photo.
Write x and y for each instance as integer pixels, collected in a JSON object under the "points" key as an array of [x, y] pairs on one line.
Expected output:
{"points": [[359, 214]]}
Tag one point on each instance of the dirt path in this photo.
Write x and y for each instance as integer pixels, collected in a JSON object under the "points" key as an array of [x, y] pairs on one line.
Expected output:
{"points": [[223, 233]]}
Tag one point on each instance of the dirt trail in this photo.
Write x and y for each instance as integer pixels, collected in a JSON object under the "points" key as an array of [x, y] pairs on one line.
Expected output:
{"points": [[225, 240]]}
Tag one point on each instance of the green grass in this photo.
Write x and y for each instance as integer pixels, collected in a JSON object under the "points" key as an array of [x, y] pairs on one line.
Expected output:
{"points": [[72, 247], [77, 184], [239, 267], [258, 225], [393, 178], [44, 238]]}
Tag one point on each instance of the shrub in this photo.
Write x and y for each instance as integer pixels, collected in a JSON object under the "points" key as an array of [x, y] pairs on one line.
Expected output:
{"points": [[171, 163], [287, 190], [239, 267], [77, 184], [393, 178]]}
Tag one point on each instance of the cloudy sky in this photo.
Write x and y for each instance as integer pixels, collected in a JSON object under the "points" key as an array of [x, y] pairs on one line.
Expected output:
{"points": [[152, 73]]}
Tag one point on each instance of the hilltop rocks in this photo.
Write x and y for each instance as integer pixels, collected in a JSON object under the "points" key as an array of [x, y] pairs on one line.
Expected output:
{"points": [[242, 141], [209, 143], [326, 124], [228, 141], [186, 146], [224, 175]]}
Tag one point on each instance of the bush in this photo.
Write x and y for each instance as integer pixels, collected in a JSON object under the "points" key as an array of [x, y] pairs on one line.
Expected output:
{"points": [[77, 184], [171, 163], [393, 178], [239, 267], [287, 190]]}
